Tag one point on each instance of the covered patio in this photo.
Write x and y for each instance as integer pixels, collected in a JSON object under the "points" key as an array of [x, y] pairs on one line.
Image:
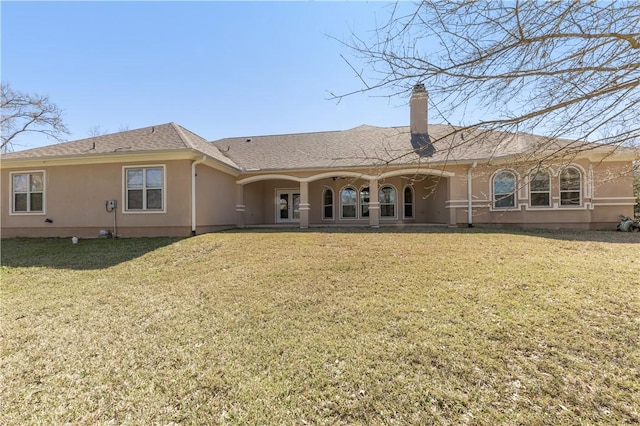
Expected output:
{"points": [[343, 197]]}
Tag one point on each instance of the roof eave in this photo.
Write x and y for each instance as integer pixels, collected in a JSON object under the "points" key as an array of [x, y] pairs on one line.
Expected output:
{"points": [[117, 157]]}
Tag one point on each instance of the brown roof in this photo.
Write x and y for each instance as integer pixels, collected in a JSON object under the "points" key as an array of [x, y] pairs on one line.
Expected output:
{"points": [[164, 137], [372, 146], [362, 146]]}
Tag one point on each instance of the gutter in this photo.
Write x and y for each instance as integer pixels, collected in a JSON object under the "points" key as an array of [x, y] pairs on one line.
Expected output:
{"points": [[470, 195], [193, 193]]}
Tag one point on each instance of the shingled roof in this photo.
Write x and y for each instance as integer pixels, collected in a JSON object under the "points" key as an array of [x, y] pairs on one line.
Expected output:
{"points": [[164, 137], [363, 146], [374, 146]]}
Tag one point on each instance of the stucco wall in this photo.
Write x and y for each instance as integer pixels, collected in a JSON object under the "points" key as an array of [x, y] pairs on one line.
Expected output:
{"points": [[606, 193], [216, 198], [256, 203], [75, 199]]}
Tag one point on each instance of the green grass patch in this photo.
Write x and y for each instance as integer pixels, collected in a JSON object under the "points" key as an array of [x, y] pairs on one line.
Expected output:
{"points": [[417, 326]]}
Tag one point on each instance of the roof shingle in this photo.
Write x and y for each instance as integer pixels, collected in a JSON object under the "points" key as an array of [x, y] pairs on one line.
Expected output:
{"points": [[164, 137]]}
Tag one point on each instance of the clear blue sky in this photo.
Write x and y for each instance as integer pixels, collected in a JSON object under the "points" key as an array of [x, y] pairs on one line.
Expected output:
{"points": [[220, 69]]}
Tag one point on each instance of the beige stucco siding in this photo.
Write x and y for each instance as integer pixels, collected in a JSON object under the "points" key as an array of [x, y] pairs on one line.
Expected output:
{"points": [[216, 198], [75, 199], [255, 202], [606, 193]]}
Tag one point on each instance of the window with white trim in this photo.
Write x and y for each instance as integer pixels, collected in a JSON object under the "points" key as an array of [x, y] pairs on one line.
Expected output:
{"points": [[540, 189], [327, 203], [27, 192], [504, 190], [364, 201], [408, 202], [349, 202], [387, 201], [570, 187], [144, 188]]}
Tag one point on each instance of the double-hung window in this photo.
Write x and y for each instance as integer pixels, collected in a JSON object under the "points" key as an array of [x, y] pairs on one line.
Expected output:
{"points": [[570, 187], [27, 192], [540, 189], [349, 202], [144, 189], [387, 198], [504, 190]]}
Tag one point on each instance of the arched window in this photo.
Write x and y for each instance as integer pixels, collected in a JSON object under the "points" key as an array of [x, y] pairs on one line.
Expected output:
{"points": [[408, 202], [570, 187], [327, 203], [504, 190], [349, 202], [540, 189], [387, 201], [364, 202]]}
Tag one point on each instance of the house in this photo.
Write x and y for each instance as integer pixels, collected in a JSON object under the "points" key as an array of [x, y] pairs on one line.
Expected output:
{"points": [[166, 180]]}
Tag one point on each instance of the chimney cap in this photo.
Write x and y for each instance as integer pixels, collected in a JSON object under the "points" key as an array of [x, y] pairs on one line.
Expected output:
{"points": [[419, 87]]}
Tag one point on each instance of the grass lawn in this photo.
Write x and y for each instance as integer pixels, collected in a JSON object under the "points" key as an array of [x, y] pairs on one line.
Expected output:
{"points": [[423, 326]]}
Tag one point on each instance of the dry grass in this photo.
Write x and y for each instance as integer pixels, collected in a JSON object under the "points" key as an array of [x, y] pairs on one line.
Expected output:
{"points": [[323, 327]]}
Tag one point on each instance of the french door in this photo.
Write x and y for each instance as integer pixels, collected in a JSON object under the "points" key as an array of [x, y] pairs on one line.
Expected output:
{"points": [[287, 206]]}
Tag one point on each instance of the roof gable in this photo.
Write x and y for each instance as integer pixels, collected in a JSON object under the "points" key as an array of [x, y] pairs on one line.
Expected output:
{"points": [[164, 137]]}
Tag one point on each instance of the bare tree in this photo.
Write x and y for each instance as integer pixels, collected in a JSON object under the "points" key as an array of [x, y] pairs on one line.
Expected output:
{"points": [[23, 113], [97, 131], [636, 192], [565, 69]]}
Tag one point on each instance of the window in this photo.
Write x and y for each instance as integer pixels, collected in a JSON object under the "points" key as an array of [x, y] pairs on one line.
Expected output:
{"points": [[364, 202], [408, 202], [349, 199], [387, 201], [570, 186], [540, 189], [144, 189], [27, 192], [327, 203], [504, 190]]}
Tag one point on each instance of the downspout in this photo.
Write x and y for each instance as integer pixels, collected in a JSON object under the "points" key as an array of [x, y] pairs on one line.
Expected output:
{"points": [[470, 195], [193, 193]]}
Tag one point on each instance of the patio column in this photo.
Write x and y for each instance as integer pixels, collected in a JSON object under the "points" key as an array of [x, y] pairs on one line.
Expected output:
{"points": [[374, 204], [240, 206], [304, 205]]}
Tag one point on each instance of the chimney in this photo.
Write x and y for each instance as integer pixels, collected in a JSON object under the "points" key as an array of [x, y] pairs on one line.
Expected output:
{"points": [[419, 127], [418, 105]]}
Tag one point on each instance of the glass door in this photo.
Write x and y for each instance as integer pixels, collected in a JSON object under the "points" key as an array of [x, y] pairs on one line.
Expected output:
{"points": [[288, 206]]}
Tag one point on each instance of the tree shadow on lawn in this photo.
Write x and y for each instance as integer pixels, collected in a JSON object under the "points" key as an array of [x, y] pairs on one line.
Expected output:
{"points": [[614, 237], [60, 253]]}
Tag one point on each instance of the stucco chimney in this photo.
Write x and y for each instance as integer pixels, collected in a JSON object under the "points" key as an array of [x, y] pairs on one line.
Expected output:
{"points": [[418, 105], [419, 124]]}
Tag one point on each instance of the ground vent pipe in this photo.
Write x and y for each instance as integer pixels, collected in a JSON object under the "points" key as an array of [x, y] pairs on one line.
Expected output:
{"points": [[470, 195], [193, 193]]}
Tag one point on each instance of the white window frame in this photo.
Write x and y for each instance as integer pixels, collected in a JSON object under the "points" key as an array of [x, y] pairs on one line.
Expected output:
{"points": [[144, 210], [362, 203], [514, 193], [395, 202], [28, 212], [357, 204], [561, 191], [531, 191], [332, 205], [413, 202]]}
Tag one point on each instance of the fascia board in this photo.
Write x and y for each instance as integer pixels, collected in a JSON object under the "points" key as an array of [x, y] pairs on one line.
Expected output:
{"points": [[115, 157]]}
